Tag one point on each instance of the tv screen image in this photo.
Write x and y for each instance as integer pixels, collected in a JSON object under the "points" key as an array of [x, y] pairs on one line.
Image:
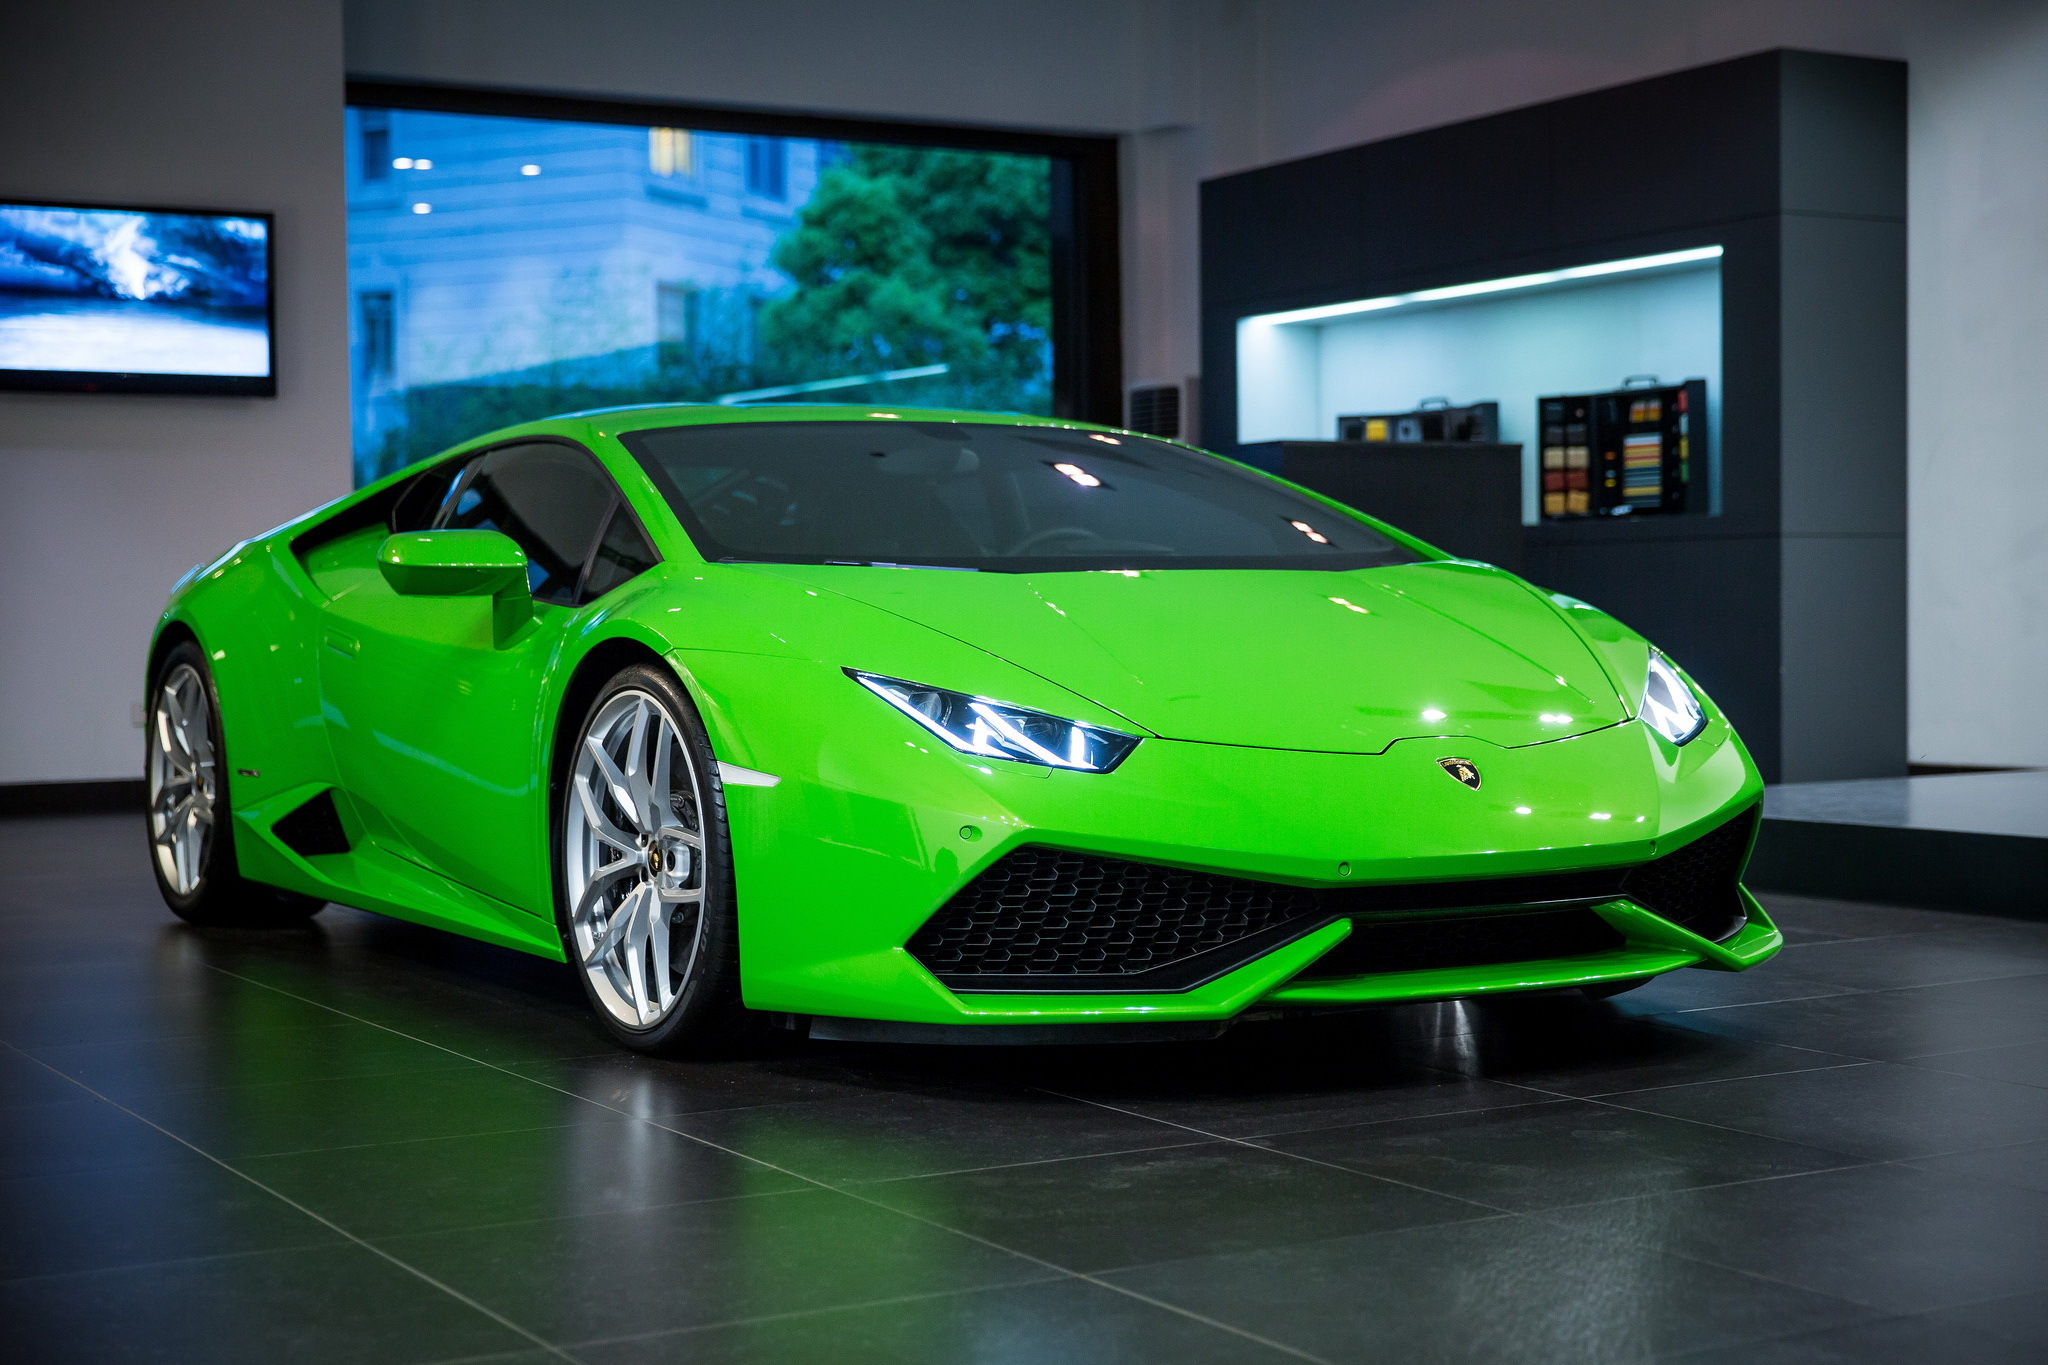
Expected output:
{"points": [[135, 300]]}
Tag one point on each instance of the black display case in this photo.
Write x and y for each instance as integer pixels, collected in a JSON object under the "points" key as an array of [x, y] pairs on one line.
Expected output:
{"points": [[1785, 593]]}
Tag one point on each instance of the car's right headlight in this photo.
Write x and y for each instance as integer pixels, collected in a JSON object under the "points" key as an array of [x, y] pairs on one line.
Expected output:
{"points": [[1669, 706], [994, 729]]}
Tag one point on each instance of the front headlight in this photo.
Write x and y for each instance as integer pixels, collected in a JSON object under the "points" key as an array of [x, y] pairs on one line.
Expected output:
{"points": [[1669, 706], [993, 729]]}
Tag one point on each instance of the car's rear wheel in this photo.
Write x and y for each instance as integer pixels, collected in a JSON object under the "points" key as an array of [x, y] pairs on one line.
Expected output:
{"points": [[191, 829], [645, 870]]}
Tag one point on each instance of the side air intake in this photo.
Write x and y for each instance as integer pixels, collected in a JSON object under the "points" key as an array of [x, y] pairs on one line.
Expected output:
{"points": [[314, 829]]}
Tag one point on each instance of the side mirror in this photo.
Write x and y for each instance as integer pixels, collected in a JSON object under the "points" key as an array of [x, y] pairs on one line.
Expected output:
{"points": [[461, 564]]}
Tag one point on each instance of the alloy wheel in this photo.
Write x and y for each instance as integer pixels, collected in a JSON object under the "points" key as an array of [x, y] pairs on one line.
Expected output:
{"points": [[633, 858], [182, 781]]}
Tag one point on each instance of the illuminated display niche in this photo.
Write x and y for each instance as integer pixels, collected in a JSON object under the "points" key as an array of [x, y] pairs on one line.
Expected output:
{"points": [[1579, 330]]}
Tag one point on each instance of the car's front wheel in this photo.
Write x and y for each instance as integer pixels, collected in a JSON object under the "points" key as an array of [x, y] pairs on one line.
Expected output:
{"points": [[191, 828], [645, 870]]}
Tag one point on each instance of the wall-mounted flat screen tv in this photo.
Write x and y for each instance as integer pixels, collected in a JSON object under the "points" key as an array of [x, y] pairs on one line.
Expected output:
{"points": [[135, 300]]}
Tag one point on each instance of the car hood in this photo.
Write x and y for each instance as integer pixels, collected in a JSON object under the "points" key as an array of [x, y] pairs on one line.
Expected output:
{"points": [[1338, 662]]}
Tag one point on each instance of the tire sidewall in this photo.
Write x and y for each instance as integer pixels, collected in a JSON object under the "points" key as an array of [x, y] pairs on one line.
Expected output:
{"points": [[712, 988]]}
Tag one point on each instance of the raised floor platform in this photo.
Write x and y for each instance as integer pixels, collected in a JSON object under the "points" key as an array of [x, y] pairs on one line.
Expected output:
{"points": [[1964, 841]]}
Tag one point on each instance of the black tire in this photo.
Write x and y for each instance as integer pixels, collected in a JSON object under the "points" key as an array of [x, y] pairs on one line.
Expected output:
{"points": [[706, 1016], [207, 887], [1606, 989]]}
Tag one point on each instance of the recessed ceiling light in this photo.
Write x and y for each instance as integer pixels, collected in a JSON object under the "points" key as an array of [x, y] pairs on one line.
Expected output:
{"points": [[422, 208]]}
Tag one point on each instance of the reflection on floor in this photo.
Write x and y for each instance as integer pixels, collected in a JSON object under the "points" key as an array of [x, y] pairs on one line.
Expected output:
{"points": [[367, 1142]]}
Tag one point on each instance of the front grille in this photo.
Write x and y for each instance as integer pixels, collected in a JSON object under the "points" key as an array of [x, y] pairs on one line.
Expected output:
{"points": [[1697, 885], [1050, 920], [1483, 940]]}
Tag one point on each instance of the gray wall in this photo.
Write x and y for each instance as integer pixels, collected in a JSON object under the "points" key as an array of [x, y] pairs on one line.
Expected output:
{"points": [[104, 500]]}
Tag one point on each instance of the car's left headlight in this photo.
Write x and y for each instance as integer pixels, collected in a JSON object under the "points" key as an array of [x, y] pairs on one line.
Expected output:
{"points": [[994, 729], [1669, 706]]}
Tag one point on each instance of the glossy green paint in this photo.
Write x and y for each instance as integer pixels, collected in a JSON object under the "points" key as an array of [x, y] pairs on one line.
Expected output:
{"points": [[1292, 724]]}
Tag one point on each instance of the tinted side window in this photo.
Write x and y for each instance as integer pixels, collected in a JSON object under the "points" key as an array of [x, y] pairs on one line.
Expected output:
{"points": [[549, 498], [622, 553], [423, 495]]}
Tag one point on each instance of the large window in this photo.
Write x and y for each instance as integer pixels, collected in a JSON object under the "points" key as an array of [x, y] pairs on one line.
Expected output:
{"points": [[510, 267]]}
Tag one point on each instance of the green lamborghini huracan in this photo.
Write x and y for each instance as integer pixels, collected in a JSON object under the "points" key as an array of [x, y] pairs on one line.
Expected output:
{"points": [[939, 726]]}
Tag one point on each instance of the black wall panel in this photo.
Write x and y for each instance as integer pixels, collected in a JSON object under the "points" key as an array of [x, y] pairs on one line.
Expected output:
{"points": [[1759, 155]]}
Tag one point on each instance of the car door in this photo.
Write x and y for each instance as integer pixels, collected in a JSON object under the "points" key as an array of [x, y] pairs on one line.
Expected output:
{"points": [[434, 712]]}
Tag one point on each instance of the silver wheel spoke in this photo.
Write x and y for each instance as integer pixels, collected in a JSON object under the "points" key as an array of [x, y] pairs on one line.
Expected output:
{"points": [[657, 940], [660, 815], [600, 825], [613, 778], [644, 720]]}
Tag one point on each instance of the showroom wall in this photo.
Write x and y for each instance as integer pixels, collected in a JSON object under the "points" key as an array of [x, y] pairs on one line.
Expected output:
{"points": [[106, 499], [236, 104]]}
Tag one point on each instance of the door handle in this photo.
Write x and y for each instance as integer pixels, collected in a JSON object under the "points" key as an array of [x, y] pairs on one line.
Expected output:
{"points": [[340, 643]]}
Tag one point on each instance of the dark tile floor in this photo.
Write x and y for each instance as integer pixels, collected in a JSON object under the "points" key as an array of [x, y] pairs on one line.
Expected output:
{"points": [[365, 1142]]}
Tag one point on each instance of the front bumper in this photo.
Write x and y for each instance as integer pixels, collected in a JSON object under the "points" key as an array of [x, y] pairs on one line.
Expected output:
{"points": [[870, 831]]}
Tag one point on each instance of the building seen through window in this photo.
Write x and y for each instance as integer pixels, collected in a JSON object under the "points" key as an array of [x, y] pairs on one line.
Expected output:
{"points": [[575, 265]]}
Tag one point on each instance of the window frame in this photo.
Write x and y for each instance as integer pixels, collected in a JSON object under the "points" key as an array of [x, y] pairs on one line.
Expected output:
{"points": [[471, 460], [1087, 292]]}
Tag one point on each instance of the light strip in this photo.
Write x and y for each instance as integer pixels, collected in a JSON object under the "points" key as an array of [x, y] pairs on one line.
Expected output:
{"points": [[1461, 291]]}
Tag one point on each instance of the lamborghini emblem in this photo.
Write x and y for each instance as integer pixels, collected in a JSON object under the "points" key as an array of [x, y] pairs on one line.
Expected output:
{"points": [[1464, 769]]}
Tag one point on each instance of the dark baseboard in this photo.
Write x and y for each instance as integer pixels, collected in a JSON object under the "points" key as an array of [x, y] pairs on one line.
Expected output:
{"points": [[1984, 874], [1952, 769], [123, 795]]}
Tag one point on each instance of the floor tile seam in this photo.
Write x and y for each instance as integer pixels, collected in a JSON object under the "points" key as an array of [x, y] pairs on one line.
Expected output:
{"points": [[634, 1211], [2041, 970], [1869, 938], [1919, 1064], [1011, 1251], [994, 1245], [1134, 1267], [871, 1182], [1864, 1158], [1877, 1317], [197, 1091], [1634, 1245], [362, 1146], [1843, 1065], [1853, 1164], [1994, 1047], [1312, 1161], [25, 1048], [1263, 1140], [1047, 1277], [1094, 1278], [202, 1258], [516, 1328], [1782, 1000]]}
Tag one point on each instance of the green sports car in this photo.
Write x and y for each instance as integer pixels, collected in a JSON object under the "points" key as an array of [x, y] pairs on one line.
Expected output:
{"points": [[941, 726]]}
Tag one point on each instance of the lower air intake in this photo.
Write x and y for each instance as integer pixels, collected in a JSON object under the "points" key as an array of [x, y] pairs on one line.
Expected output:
{"points": [[1047, 920], [1699, 885]]}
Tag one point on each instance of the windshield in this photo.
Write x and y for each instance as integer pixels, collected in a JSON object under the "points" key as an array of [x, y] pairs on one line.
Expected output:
{"points": [[970, 495]]}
